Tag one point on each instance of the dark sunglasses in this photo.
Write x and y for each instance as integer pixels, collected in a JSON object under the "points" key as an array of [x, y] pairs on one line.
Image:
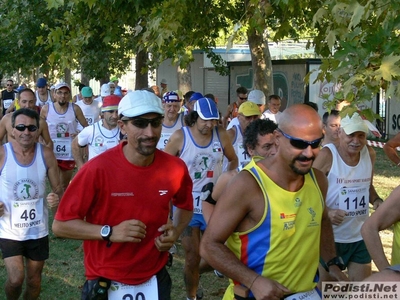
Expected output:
{"points": [[245, 98], [302, 144], [9, 84], [143, 123], [21, 127]]}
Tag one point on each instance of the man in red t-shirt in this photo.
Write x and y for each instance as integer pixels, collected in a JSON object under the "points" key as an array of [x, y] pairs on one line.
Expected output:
{"points": [[118, 203]]}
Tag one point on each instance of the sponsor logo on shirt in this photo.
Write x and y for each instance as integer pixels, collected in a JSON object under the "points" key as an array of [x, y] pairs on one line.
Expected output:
{"points": [[126, 194]]}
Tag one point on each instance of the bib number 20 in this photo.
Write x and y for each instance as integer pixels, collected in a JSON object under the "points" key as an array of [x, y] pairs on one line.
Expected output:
{"points": [[138, 296]]}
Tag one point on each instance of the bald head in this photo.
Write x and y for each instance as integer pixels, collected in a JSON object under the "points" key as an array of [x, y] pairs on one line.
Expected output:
{"points": [[298, 138], [300, 116]]}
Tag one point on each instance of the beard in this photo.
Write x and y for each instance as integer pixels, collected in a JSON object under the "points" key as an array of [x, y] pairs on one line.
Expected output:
{"points": [[62, 103], [145, 149], [301, 171]]}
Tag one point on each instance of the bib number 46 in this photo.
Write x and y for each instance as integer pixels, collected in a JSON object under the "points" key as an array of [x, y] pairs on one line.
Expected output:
{"points": [[31, 215]]}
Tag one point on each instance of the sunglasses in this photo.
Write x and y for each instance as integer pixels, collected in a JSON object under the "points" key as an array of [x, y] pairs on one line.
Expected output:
{"points": [[9, 84], [244, 98], [21, 127], [142, 123], [302, 144]]}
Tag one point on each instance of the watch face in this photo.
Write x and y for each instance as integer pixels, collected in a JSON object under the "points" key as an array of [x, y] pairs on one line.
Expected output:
{"points": [[105, 230]]}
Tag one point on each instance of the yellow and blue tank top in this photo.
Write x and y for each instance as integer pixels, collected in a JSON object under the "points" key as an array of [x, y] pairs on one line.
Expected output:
{"points": [[284, 245], [396, 244]]}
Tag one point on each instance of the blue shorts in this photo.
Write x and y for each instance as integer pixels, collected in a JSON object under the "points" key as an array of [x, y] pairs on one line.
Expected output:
{"points": [[198, 221], [353, 252]]}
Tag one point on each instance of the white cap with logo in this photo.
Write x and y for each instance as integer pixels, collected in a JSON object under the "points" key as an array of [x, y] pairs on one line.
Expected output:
{"points": [[138, 103]]}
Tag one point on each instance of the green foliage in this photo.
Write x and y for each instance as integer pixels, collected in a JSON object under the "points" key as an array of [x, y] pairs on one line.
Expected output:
{"points": [[19, 28], [360, 38]]}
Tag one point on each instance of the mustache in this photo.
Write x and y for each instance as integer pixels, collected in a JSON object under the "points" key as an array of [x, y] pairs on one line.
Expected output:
{"points": [[305, 158], [148, 140]]}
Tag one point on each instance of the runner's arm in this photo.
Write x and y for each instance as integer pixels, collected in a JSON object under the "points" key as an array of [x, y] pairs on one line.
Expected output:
{"points": [[175, 143], [53, 174], [77, 153], [390, 149], [327, 242], [387, 214], [48, 142], [79, 116], [374, 198], [226, 116], [3, 129], [229, 152]]}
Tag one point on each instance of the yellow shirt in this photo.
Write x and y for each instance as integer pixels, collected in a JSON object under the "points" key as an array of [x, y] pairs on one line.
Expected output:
{"points": [[284, 245]]}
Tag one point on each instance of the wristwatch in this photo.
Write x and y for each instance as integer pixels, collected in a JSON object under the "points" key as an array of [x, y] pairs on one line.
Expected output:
{"points": [[105, 233], [338, 261]]}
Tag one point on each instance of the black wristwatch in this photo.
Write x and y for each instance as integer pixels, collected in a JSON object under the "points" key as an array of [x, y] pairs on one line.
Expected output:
{"points": [[338, 261], [105, 233]]}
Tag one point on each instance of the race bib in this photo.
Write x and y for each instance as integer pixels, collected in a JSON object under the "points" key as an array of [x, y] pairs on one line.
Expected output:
{"points": [[89, 119], [354, 200], [309, 295], [7, 103], [62, 148], [164, 139], [26, 213], [144, 291], [197, 205]]}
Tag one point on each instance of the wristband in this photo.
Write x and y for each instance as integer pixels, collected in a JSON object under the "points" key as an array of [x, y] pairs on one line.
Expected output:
{"points": [[206, 192], [337, 261], [379, 198], [254, 280]]}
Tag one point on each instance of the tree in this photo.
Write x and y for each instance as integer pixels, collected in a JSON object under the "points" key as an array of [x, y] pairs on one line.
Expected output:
{"points": [[20, 27], [360, 41]]}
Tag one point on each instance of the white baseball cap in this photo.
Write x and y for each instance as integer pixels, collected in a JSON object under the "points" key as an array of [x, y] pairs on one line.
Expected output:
{"points": [[353, 124], [257, 97], [105, 90], [138, 103], [61, 85]]}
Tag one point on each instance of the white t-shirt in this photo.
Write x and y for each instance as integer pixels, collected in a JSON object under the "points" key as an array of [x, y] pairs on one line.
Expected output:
{"points": [[273, 117]]}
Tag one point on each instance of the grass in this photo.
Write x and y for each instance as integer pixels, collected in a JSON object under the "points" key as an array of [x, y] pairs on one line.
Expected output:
{"points": [[63, 274]]}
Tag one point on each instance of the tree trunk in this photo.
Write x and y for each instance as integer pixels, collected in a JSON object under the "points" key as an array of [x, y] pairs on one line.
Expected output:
{"points": [[184, 79], [84, 79], [142, 78], [67, 76], [261, 62]]}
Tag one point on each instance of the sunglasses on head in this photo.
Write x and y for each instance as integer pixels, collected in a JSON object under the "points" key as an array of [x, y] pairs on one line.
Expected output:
{"points": [[302, 144], [22, 127], [143, 123]]}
